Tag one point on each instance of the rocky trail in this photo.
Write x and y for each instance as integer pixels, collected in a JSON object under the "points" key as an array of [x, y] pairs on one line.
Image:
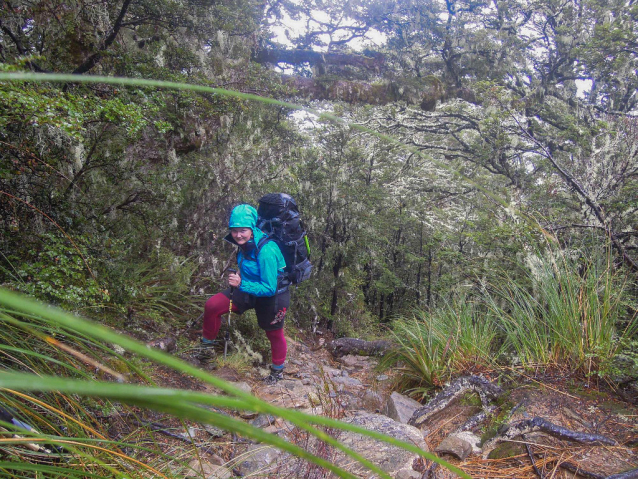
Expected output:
{"points": [[524, 428]]}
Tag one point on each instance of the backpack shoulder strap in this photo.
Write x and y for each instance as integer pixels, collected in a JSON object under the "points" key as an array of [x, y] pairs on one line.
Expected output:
{"points": [[261, 244]]}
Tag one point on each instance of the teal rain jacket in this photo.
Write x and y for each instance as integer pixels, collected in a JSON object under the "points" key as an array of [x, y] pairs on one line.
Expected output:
{"points": [[259, 274]]}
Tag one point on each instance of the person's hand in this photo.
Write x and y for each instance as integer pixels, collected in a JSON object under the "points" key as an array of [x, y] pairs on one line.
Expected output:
{"points": [[234, 280]]}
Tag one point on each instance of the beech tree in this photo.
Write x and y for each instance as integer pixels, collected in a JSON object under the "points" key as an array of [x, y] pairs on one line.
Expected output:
{"points": [[501, 112]]}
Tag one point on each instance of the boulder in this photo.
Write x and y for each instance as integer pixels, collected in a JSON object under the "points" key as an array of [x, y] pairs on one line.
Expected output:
{"points": [[391, 459], [400, 407], [454, 446]]}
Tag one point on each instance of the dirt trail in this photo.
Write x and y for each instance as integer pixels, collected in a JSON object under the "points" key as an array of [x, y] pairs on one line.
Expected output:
{"points": [[351, 389]]}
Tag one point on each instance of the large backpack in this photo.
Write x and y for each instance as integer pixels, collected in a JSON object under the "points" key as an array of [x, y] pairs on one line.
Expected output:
{"points": [[279, 218]]}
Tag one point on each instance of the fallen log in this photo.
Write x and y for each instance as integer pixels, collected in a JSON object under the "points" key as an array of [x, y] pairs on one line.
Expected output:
{"points": [[485, 389], [344, 346]]}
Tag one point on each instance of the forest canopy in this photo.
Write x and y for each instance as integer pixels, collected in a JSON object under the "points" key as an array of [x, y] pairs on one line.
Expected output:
{"points": [[473, 137]]}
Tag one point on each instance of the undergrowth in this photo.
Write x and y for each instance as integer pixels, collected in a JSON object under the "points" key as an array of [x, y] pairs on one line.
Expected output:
{"points": [[568, 312]]}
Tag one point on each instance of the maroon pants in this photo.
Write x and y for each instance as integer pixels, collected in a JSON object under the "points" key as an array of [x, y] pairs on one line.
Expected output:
{"points": [[217, 306]]}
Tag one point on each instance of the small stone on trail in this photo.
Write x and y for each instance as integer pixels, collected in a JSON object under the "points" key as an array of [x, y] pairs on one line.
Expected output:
{"points": [[258, 458], [347, 382], [371, 401], [118, 349], [204, 468], [213, 431], [248, 415], [165, 344], [263, 420], [244, 386], [383, 377], [455, 446]]}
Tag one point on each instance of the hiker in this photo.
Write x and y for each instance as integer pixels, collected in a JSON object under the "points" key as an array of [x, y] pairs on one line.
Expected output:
{"points": [[260, 284]]}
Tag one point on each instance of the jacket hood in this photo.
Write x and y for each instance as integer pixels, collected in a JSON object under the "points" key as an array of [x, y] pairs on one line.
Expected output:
{"points": [[244, 216]]}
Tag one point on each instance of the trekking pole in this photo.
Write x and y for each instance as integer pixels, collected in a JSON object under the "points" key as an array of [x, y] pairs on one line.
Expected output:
{"points": [[230, 312]]}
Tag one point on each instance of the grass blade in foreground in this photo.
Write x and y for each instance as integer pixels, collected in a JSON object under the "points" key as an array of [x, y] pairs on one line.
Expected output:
{"points": [[19, 303]]}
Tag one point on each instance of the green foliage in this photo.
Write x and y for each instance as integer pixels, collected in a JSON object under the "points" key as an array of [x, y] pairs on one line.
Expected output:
{"points": [[569, 314], [250, 340], [158, 286], [57, 271]]}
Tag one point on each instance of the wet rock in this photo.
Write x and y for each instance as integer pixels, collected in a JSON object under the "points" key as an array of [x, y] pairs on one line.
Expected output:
{"points": [[400, 407], [205, 469], [455, 446], [372, 401], [259, 460], [390, 458], [167, 344], [244, 386], [263, 420], [347, 382]]}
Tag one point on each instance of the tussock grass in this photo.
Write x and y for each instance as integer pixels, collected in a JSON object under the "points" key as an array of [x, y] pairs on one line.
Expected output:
{"points": [[566, 312], [571, 317], [431, 346]]}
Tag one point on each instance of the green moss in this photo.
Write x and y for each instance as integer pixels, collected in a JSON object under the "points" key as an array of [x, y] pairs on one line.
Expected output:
{"points": [[491, 429], [507, 449], [471, 400]]}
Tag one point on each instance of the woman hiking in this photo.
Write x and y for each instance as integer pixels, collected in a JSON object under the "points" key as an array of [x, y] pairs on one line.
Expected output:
{"points": [[260, 284]]}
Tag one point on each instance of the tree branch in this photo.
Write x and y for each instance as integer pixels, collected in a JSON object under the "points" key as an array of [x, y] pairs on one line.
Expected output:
{"points": [[296, 57], [95, 58]]}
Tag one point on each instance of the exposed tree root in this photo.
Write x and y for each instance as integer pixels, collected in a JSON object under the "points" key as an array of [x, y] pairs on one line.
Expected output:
{"points": [[475, 420], [539, 424], [485, 389], [633, 474], [538, 472], [343, 346]]}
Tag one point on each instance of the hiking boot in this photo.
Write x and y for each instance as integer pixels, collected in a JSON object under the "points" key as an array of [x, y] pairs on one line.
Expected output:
{"points": [[206, 351], [209, 343], [276, 374]]}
